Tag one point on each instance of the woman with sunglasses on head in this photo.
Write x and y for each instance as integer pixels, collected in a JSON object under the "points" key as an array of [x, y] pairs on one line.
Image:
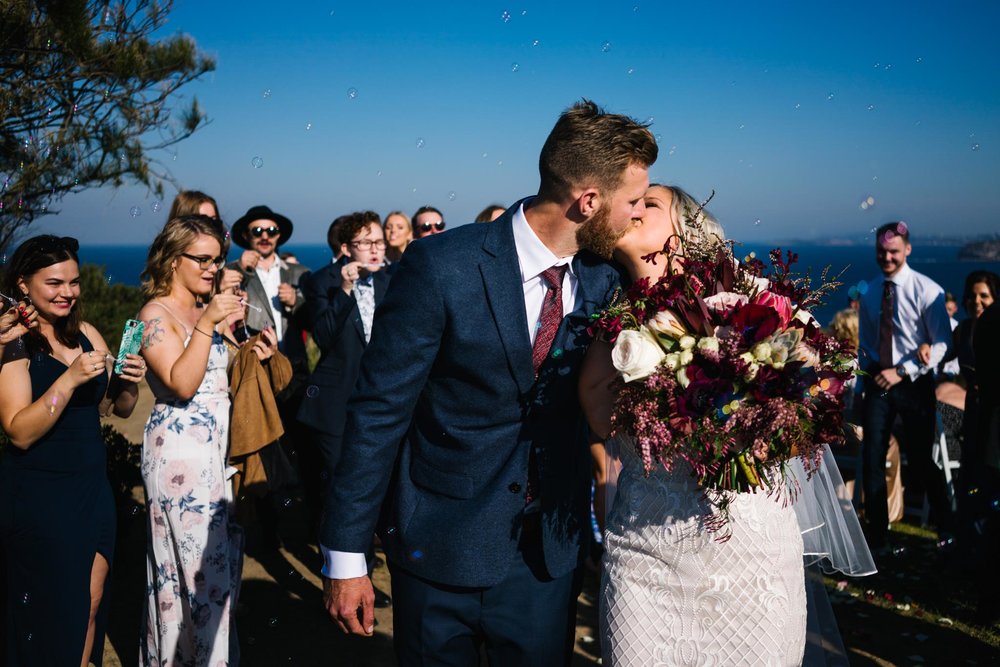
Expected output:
{"points": [[57, 512], [194, 549]]}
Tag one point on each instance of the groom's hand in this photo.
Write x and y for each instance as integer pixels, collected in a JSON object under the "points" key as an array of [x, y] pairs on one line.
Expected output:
{"points": [[344, 597]]}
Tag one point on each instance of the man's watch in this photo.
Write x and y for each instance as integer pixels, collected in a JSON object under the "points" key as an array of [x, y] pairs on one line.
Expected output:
{"points": [[901, 371]]}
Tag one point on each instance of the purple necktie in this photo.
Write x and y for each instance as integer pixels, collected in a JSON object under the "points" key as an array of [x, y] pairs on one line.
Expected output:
{"points": [[885, 325], [548, 325]]}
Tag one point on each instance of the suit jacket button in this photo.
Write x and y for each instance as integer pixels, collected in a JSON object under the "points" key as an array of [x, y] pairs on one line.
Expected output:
{"points": [[514, 487]]}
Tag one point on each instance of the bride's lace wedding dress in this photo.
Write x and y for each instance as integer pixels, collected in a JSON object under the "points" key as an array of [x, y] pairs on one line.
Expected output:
{"points": [[672, 594]]}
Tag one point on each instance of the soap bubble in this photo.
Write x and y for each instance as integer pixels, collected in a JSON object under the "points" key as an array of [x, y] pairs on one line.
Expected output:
{"points": [[312, 391], [257, 162], [155, 206], [267, 93], [829, 96], [920, 60], [135, 211], [420, 142], [535, 42], [505, 16], [485, 155], [451, 196], [605, 47], [273, 622], [871, 107], [867, 203], [499, 163], [514, 67], [309, 126], [352, 93], [378, 173], [888, 67], [524, 12], [975, 147], [673, 149], [798, 106], [756, 223], [630, 70]]}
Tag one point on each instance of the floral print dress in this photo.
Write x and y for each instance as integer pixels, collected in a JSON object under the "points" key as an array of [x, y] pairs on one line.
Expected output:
{"points": [[194, 549]]}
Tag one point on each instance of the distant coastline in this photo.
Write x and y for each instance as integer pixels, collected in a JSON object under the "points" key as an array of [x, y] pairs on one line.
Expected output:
{"points": [[980, 251]]}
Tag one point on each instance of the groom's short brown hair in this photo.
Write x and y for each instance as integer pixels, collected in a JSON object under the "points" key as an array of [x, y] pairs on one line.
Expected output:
{"points": [[588, 147]]}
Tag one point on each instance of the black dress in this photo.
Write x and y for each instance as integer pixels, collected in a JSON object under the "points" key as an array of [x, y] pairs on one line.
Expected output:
{"points": [[56, 512]]}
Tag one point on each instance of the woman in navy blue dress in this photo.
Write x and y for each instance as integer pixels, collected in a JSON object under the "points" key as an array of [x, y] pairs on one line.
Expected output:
{"points": [[57, 513]]}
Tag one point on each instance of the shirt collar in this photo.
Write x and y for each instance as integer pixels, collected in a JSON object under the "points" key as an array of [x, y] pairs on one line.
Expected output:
{"points": [[532, 255], [902, 276]]}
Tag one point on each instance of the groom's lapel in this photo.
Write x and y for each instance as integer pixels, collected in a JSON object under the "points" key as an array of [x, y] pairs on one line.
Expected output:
{"points": [[501, 274]]}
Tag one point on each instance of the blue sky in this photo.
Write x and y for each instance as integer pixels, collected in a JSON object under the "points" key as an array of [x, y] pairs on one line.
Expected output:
{"points": [[794, 113]]}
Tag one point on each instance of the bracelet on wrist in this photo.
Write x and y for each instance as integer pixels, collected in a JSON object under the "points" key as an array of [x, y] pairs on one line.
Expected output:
{"points": [[203, 333]]}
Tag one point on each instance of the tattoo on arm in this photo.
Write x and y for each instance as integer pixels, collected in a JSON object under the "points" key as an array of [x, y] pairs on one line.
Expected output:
{"points": [[153, 333]]}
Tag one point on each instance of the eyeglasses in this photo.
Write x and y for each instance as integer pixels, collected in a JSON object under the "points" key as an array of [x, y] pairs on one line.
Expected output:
{"points": [[367, 244], [204, 261], [427, 226], [259, 231]]}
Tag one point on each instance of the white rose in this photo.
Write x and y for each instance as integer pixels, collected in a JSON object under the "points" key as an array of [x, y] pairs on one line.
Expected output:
{"points": [[687, 356], [672, 361], [762, 351], [806, 354], [687, 342], [636, 354], [804, 316], [708, 343], [666, 324]]}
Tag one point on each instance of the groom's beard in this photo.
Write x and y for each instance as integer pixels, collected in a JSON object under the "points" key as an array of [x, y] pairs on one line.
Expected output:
{"points": [[597, 235]]}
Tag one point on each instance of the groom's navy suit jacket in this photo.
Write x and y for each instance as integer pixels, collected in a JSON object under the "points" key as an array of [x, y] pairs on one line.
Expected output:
{"points": [[447, 408]]}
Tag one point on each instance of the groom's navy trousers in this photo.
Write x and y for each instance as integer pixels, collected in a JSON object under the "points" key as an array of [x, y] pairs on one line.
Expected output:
{"points": [[440, 427]]}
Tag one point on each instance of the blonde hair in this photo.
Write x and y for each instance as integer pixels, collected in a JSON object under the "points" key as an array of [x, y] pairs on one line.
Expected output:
{"points": [[175, 237], [844, 326]]}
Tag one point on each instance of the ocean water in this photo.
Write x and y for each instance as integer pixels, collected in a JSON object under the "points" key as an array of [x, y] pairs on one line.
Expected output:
{"points": [[857, 263]]}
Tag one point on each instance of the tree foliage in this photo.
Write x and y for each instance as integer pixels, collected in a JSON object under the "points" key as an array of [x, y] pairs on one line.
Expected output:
{"points": [[86, 99]]}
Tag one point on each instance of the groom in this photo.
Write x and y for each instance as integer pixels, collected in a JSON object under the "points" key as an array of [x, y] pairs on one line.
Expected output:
{"points": [[471, 432]]}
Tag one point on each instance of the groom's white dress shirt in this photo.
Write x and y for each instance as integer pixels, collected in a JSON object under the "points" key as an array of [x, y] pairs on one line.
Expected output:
{"points": [[534, 258]]}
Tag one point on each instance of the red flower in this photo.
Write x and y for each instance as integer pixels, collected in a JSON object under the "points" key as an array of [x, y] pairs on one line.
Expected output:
{"points": [[755, 321], [782, 305]]}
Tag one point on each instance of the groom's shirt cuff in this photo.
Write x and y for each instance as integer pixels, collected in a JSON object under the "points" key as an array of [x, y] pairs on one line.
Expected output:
{"points": [[343, 564]]}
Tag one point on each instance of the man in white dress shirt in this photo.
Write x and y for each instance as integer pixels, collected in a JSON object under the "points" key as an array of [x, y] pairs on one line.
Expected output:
{"points": [[902, 311]]}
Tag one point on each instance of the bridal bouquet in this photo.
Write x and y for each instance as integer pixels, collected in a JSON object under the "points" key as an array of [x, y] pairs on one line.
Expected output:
{"points": [[722, 367]]}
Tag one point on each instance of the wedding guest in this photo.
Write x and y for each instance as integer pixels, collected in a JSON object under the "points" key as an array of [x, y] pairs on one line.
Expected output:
{"points": [[193, 551], [987, 355], [951, 305], [192, 202], [398, 235], [341, 301], [490, 213], [902, 310], [274, 297], [427, 221], [57, 511]]}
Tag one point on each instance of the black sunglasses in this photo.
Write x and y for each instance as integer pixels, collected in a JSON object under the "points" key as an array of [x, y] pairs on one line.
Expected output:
{"points": [[49, 243], [259, 231], [204, 261], [427, 226]]}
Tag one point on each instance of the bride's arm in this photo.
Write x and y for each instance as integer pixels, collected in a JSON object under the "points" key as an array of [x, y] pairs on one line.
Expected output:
{"points": [[596, 397]]}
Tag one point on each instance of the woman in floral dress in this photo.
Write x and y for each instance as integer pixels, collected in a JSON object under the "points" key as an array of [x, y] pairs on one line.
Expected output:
{"points": [[194, 548]]}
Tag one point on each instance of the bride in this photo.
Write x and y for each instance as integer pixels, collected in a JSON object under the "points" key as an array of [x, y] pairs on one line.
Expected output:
{"points": [[671, 592]]}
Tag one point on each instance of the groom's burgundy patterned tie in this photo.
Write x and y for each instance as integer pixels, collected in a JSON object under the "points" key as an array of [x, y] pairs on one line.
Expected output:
{"points": [[548, 325], [885, 325], [552, 314]]}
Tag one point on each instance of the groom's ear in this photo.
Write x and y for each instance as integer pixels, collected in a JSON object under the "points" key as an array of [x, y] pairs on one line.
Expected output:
{"points": [[587, 202]]}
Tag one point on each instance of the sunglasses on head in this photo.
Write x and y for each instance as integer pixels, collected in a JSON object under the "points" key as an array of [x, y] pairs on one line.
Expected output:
{"points": [[428, 226], [259, 231]]}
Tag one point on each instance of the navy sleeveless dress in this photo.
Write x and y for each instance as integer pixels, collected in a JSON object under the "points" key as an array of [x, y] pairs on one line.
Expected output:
{"points": [[56, 512]]}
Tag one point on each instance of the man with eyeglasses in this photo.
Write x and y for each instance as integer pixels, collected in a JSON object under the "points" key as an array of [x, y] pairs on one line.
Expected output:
{"points": [[427, 221], [340, 303]]}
